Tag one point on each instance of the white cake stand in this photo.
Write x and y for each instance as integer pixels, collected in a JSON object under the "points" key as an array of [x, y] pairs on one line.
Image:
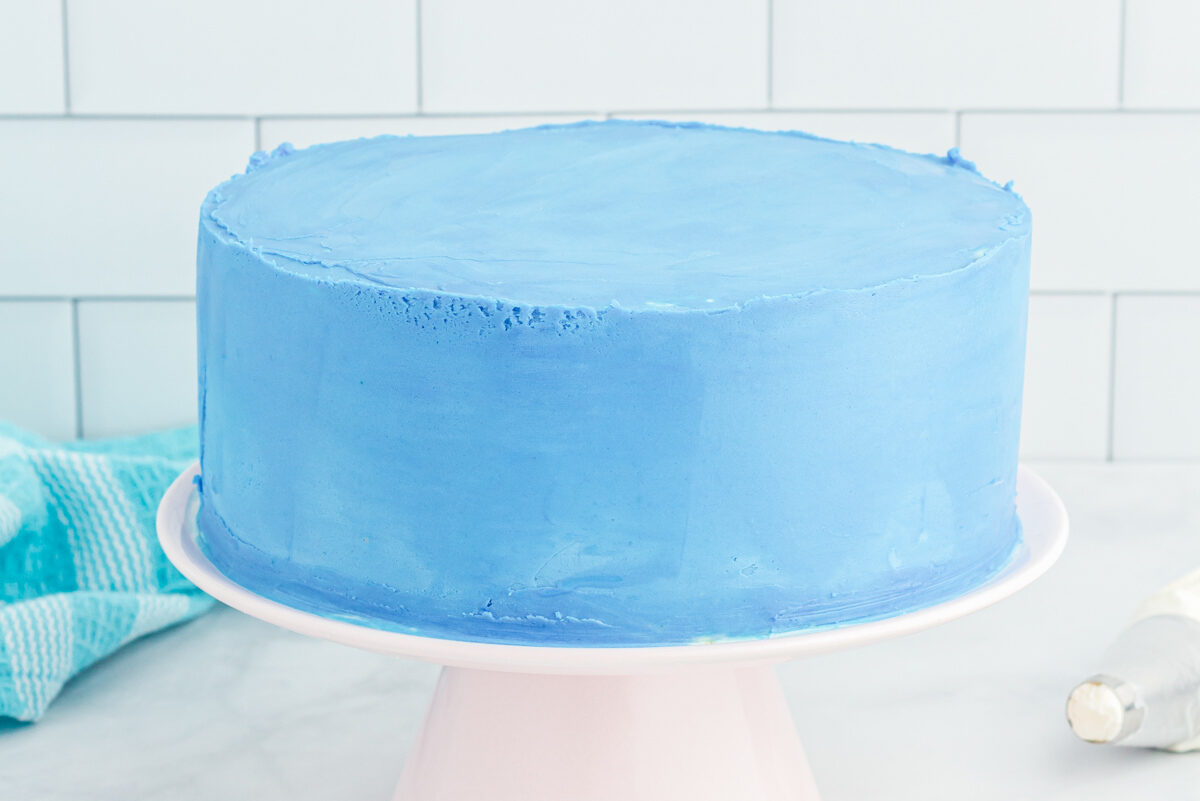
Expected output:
{"points": [[664, 723]]}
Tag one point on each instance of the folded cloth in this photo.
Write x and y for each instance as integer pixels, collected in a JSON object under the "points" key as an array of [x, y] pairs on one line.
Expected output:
{"points": [[81, 573]]}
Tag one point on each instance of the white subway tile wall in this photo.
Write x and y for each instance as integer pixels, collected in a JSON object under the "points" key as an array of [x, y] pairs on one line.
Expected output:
{"points": [[1156, 396], [1067, 373], [137, 365], [121, 114], [590, 55], [107, 206], [1115, 196], [31, 57], [37, 366], [1162, 54], [946, 53], [242, 56]]}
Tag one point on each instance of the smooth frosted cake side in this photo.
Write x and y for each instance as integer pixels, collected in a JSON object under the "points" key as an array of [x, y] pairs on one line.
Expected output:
{"points": [[610, 383]]}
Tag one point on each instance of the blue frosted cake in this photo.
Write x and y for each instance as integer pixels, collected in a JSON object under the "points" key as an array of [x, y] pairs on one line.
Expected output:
{"points": [[610, 383]]}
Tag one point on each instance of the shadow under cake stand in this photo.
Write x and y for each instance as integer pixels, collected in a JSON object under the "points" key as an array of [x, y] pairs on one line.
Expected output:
{"points": [[526, 723]]}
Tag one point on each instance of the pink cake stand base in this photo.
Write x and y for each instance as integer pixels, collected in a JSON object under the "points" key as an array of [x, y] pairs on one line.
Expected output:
{"points": [[704, 722]]}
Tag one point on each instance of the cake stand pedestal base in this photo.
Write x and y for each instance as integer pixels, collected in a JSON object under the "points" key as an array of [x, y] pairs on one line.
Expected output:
{"points": [[700, 733], [699, 722]]}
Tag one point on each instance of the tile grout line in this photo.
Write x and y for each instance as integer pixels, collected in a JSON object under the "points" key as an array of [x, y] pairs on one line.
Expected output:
{"points": [[96, 298], [1121, 53], [77, 368], [1034, 111], [420, 59], [66, 61], [773, 111], [1071, 293], [1054, 292], [1112, 379], [1151, 293], [258, 134], [172, 117], [958, 117], [770, 53]]}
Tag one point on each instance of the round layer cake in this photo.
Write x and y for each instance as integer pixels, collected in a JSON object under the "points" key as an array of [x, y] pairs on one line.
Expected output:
{"points": [[619, 383]]}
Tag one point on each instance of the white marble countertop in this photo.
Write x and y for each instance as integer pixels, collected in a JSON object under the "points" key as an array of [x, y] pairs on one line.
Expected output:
{"points": [[229, 708]]}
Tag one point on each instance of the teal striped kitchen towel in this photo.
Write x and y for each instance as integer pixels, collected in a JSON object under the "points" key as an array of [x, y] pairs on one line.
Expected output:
{"points": [[81, 573]]}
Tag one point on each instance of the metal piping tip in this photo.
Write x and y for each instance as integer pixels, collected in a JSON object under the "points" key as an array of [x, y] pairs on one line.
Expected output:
{"points": [[1104, 709]]}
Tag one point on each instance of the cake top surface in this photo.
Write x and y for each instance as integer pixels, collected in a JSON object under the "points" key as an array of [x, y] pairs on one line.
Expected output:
{"points": [[641, 215]]}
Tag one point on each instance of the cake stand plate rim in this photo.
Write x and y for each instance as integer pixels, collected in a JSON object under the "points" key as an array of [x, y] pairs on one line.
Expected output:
{"points": [[1045, 531]]}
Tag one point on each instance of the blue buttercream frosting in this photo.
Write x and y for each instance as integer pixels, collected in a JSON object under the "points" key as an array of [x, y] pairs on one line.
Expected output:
{"points": [[610, 383]]}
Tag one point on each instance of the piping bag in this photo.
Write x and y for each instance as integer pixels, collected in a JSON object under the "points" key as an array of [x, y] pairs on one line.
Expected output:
{"points": [[1147, 690]]}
